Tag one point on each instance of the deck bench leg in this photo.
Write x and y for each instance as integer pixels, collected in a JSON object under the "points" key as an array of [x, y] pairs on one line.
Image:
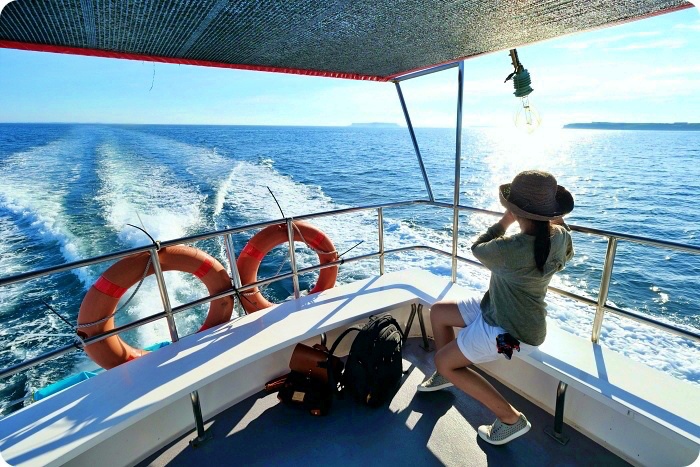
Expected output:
{"points": [[202, 434], [556, 432], [426, 345], [417, 309], [409, 323]]}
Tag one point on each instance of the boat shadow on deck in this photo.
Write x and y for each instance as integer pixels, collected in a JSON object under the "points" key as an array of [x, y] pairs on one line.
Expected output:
{"points": [[437, 428]]}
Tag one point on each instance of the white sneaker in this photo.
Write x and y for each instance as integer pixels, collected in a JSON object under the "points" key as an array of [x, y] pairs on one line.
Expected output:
{"points": [[434, 383], [500, 433]]}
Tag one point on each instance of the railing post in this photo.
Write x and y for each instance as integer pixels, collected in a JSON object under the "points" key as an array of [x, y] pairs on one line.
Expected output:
{"points": [[231, 255], [292, 258], [380, 226], [172, 327], [194, 396], [458, 160], [604, 288]]}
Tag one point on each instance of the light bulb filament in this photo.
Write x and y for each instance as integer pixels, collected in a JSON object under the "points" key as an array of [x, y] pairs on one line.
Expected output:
{"points": [[527, 110], [526, 117]]}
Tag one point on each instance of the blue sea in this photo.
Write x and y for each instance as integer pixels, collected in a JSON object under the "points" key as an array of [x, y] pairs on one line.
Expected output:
{"points": [[68, 191]]}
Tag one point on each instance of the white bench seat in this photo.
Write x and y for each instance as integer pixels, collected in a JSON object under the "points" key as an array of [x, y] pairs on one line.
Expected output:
{"points": [[647, 395], [57, 429]]}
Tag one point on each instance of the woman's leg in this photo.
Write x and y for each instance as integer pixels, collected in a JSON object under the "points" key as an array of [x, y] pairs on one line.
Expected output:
{"points": [[444, 317], [451, 363]]}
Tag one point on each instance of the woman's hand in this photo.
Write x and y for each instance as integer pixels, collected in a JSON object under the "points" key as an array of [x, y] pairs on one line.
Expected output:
{"points": [[507, 219]]}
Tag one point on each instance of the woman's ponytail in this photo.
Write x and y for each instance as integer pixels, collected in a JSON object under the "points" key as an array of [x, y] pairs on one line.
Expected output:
{"points": [[542, 243]]}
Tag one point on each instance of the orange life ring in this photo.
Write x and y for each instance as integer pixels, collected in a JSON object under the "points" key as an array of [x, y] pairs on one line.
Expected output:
{"points": [[261, 243], [101, 300]]}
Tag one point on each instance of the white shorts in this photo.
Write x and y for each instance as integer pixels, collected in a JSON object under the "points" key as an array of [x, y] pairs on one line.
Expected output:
{"points": [[477, 340]]}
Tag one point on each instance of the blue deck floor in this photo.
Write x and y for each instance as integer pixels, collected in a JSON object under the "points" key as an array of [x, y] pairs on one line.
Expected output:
{"points": [[437, 428]]}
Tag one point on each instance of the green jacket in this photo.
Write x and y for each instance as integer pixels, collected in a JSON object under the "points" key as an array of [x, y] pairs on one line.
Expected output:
{"points": [[515, 299]]}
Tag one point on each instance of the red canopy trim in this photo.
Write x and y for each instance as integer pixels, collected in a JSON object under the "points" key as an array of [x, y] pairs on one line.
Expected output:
{"points": [[180, 61]]}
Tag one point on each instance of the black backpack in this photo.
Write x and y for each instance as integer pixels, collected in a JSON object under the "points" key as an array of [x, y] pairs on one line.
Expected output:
{"points": [[374, 367]]}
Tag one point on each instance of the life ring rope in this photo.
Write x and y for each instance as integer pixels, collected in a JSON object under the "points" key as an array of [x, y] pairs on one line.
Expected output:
{"points": [[264, 241], [315, 243], [259, 255], [109, 288]]}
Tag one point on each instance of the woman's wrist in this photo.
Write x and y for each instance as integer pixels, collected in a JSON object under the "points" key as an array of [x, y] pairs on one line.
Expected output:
{"points": [[506, 220]]}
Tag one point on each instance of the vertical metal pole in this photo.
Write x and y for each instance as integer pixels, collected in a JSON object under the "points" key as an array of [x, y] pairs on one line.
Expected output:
{"points": [[194, 396], [559, 409], [164, 295], [458, 160], [604, 288], [202, 434], [231, 255], [380, 222], [292, 258], [415, 141], [558, 431]]}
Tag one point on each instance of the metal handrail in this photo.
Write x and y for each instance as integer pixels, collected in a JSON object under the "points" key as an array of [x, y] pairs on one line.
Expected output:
{"points": [[191, 239], [601, 305]]}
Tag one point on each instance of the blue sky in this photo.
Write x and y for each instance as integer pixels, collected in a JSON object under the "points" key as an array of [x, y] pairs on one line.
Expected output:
{"points": [[647, 70]]}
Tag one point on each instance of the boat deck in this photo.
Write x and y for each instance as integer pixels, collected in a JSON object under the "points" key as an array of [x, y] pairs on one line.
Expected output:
{"points": [[437, 428]]}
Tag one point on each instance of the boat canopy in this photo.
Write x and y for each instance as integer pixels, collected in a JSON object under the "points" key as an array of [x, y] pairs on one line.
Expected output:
{"points": [[358, 39]]}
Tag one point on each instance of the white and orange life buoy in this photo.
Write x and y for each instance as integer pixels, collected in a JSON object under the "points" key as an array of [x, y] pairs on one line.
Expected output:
{"points": [[261, 243], [101, 300]]}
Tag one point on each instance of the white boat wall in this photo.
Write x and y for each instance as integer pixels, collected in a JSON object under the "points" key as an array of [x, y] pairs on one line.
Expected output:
{"points": [[135, 412]]}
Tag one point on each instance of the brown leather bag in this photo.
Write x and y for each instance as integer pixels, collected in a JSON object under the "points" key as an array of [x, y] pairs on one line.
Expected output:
{"points": [[313, 362]]}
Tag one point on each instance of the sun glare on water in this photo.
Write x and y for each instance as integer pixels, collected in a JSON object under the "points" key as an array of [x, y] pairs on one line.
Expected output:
{"points": [[514, 151]]}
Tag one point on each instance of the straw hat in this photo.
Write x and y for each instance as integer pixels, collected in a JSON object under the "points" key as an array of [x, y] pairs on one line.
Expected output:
{"points": [[534, 194]]}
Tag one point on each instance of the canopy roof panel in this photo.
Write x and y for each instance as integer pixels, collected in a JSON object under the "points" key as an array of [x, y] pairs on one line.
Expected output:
{"points": [[360, 39]]}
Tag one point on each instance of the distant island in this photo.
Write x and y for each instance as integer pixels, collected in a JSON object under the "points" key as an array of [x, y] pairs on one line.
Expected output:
{"points": [[377, 125], [678, 126]]}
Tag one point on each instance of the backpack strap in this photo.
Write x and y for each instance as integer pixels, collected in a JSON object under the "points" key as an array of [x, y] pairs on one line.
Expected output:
{"points": [[340, 338], [332, 351]]}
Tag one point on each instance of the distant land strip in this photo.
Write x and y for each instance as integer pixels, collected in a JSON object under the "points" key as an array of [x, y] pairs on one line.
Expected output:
{"points": [[377, 124], [678, 126]]}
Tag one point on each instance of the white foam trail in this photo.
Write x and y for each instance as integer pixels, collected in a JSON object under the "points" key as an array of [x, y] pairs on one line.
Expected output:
{"points": [[34, 189], [134, 191], [249, 197], [168, 207], [204, 165], [10, 264]]}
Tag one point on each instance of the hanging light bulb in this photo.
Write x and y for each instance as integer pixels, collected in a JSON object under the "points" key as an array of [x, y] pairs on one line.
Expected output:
{"points": [[526, 116]]}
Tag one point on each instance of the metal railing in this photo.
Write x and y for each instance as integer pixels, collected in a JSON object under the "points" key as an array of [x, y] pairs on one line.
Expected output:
{"points": [[169, 312]]}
